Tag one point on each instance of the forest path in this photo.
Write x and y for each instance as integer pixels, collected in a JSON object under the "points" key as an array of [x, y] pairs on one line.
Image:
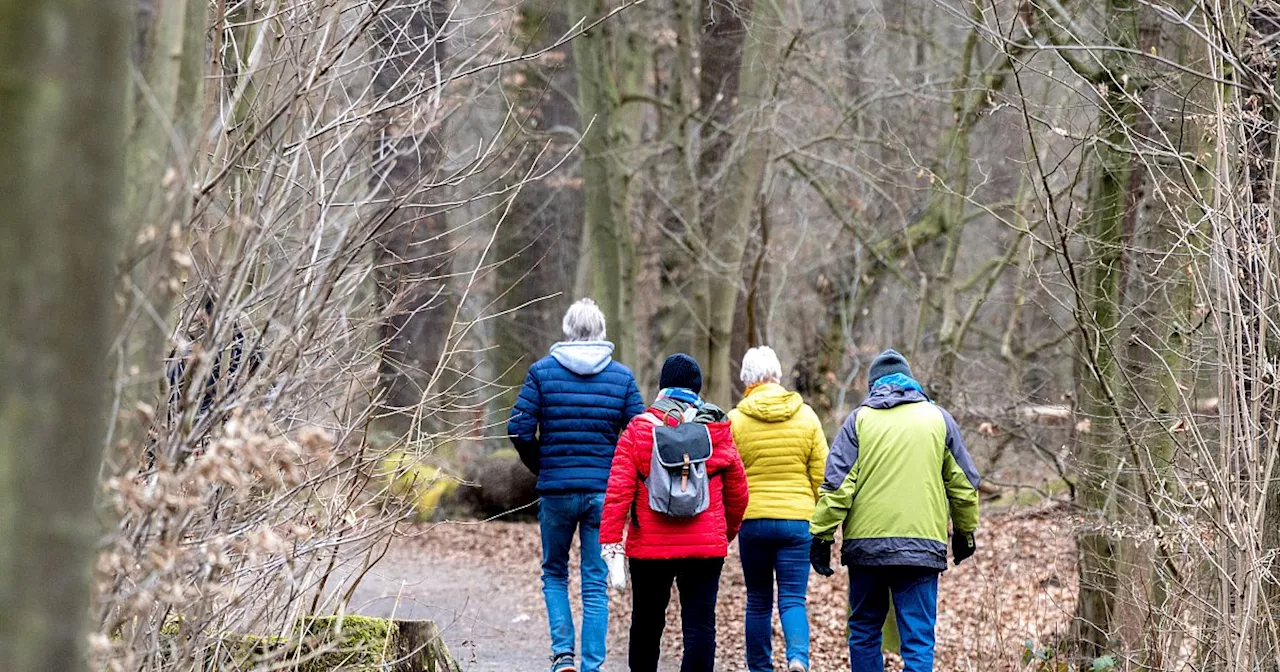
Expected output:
{"points": [[481, 584]]}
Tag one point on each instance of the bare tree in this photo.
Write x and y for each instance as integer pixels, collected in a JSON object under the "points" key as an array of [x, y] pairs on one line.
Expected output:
{"points": [[539, 245], [608, 66], [64, 66], [410, 39]]}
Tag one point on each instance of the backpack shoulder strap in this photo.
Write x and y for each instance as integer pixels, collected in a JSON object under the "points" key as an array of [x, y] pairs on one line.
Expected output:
{"points": [[680, 418]]}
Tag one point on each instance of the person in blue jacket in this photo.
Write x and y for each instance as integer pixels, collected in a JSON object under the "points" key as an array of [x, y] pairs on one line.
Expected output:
{"points": [[565, 424]]}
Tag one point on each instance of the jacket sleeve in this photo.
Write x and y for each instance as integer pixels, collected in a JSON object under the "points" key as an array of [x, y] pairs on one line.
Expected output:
{"points": [[817, 457], [736, 494], [960, 476], [840, 483], [635, 403], [522, 427], [620, 494]]}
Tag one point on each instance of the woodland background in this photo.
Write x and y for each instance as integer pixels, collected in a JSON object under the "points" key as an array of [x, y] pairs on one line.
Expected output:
{"points": [[274, 268]]}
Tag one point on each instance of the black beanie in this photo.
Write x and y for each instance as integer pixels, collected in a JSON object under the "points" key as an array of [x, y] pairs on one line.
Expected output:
{"points": [[888, 362], [681, 370]]}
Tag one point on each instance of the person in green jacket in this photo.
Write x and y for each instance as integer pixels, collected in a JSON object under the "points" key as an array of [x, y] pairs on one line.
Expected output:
{"points": [[898, 470]]}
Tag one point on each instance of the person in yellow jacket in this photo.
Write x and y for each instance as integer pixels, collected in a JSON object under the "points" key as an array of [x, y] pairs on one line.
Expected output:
{"points": [[785, 454]]}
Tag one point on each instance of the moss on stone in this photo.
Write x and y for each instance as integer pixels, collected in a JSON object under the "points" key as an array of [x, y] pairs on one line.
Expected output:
{"points": [[347, 643], [318, 644]]}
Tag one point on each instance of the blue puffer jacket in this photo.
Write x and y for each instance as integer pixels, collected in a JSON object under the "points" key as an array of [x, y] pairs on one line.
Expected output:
{"points": [[572, 407]]}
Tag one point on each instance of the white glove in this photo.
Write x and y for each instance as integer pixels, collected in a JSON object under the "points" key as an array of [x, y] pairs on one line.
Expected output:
{"points": [[615, 555]]}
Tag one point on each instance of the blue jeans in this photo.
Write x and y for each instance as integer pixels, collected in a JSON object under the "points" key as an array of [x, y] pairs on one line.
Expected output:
{"points": [[915, 602], [560, 516], [768, 548]]}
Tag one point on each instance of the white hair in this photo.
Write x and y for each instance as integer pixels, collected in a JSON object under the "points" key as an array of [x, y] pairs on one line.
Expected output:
{"points": [[583, 322], [761, 365]]}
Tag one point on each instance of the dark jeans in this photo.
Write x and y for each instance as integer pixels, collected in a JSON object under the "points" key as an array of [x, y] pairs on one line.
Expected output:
{"points": [[698, 581], [914, 591], [775, 548]]}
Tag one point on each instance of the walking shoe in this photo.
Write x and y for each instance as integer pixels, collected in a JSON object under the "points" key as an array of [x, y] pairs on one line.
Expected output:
{"points": [[563, 663], [797, 666]]}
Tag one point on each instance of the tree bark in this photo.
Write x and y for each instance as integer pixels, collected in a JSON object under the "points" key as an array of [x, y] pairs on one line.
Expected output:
{"points": [[683, 290], [607, 65], [412, 246], [1097, 368], [1252, 395], [63, 74], [164, 118], [420, 648], [540, 241], [743, 158]]}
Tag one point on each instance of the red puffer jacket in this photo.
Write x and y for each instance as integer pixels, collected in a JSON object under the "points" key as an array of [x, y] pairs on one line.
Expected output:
{"points": [[654, 536]]}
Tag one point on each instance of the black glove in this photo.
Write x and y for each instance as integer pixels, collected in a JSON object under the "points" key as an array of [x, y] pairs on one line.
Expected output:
{"points": [[820, 556], [962, 545]]}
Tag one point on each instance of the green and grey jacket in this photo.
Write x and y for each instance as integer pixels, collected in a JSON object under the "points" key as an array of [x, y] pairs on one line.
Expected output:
{"points": [[897, 470]]}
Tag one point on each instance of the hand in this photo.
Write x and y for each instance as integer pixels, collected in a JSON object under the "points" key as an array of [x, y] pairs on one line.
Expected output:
{"points": [[962, 545], [820, 556]]}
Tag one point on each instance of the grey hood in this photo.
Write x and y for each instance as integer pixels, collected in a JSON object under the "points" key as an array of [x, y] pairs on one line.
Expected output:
{"points": [[585, 358]]}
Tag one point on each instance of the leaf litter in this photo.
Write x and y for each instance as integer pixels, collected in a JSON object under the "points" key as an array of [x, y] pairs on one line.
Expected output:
{"points": [[1019, 588]]}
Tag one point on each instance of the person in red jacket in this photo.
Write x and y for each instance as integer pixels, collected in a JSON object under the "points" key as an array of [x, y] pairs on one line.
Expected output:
{"points": [[662, 549]]}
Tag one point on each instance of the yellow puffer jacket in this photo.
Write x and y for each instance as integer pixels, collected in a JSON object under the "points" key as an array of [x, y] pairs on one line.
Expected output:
{"points": [[784, 451]]}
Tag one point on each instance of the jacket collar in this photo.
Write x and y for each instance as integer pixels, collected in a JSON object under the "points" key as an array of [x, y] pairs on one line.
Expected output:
{"points": [[888, 394]]}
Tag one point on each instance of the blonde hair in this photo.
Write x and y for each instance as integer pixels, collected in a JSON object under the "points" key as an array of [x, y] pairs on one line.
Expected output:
{"points": [[761, 365], [584, 322]]}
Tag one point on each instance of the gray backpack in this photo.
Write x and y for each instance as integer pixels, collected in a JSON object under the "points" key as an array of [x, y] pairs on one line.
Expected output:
{"points": [[677, 482]]}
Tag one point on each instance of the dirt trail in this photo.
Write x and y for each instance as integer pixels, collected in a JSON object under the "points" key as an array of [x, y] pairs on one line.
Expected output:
{"points": [[484, 591], [481, 583]]}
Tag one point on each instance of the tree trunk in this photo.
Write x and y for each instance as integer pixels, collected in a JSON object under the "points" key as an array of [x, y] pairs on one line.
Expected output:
{"points": [[412, 246], [420, 648], [605, 181], [63, 74], [949, 205], [1097, 369], [540, 241], [164, 120], [1252, 395], [743, 158], [683, 290]]}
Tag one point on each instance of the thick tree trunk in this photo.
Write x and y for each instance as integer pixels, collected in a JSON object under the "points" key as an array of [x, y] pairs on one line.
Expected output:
{"points": [[683, 289], [540, 240], [1135, 314], [743, 158], [164, 119], [1097, 368], [607, 65], [412, 246], [420, 648], [1099, 448], [63, 78]]}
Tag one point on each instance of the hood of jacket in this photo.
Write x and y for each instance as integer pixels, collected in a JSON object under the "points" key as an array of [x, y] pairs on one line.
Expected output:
{"points": [[706, 414], [887, 396], [771, 402], [585, 358]]}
